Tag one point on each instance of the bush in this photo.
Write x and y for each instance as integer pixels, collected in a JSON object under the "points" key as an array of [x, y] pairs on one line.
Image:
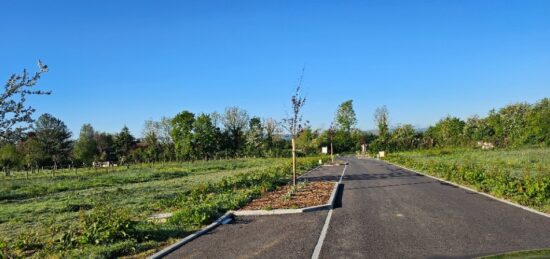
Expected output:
{"points": [[103, 225]]}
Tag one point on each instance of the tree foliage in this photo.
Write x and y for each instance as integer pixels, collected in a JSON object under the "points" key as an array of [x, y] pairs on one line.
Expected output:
{"points": [[182, 127], [54, 137], [345, 117], [85, 148], [15, 114]]}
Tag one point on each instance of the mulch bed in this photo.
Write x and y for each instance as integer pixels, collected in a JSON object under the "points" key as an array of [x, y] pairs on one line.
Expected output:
{"points": [[306, 195]]}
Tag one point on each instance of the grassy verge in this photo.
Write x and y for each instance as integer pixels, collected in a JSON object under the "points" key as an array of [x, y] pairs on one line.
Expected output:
{"points": [[529, 254], [104, 214], [521, 175]]}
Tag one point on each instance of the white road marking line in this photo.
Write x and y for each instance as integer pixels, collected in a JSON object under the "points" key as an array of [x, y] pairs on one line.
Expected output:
{"points": [[317, 250], [319, 245]]}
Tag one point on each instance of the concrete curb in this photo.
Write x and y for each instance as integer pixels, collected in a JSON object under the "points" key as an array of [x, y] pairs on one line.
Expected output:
{"points": [[187, 239], [472, 190], [327, 206]]}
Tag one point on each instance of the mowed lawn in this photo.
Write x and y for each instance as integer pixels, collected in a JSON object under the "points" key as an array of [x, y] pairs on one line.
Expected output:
{"points": [[44, 202], [521, 175]]}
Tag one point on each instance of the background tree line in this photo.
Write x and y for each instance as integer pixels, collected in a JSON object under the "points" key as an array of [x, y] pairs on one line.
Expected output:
{"points": [[48, 143], [511, 126], [233, 133]]}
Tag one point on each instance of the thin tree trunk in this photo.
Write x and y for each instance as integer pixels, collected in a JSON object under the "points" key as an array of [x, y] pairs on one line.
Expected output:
{"points": [[293, 162], [331, 153]]}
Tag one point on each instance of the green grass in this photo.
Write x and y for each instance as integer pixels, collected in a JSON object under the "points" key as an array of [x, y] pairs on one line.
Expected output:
{"points": [[528, 254], [521, 175], [55, 216]]}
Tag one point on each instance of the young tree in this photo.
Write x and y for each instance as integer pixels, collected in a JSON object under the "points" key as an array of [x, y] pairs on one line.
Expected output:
{"points": [[55, 138], [182, 134], [85, 148], [294, 124], [331, 132], [15, 114]]}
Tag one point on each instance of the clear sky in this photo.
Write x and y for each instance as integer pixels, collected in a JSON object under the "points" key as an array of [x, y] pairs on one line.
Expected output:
{"points": [[121, 62]]}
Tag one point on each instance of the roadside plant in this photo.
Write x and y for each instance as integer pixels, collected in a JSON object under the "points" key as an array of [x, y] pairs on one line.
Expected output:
{"points": [[294, 123]]}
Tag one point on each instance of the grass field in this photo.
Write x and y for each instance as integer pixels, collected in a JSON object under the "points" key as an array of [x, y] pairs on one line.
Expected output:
{"points": [[104, 213], [521, 175]]}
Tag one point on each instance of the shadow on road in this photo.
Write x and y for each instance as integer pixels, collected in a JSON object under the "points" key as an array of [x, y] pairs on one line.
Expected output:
{"points": [[339, 195], [390, 185]]}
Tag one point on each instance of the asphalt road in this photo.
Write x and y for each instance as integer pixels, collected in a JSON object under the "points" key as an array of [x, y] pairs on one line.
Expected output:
{"points": [[389, 212], [383, 212], [283, 236]]}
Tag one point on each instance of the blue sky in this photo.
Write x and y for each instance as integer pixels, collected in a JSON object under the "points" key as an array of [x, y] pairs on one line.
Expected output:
{"points": [[121, 62]]}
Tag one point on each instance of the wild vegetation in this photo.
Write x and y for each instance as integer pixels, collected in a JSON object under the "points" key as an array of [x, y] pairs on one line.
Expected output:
{"points": [[105, 213]]}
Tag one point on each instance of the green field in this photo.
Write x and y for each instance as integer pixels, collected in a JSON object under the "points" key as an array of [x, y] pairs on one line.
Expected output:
{"points": [[521, 175], [102, 213]]}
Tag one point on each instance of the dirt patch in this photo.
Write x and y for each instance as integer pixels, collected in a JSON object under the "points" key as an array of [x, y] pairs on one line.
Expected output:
{"points": [[286, 197]]}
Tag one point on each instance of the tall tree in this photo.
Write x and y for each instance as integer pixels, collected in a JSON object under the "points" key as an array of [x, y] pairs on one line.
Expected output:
{"points": [[152, 146], [255, 137], [345, 117], [539, 123], [9, 157], [15, 114], [105, 146], [124, 141], [272, 132], [32, 151], [381, 118], [55, 138], [235, 121], [205, 137], [294, 124], [85, 148], [182, 134]]}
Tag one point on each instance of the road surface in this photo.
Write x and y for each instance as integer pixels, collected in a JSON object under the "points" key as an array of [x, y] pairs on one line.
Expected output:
{"points": [[384, 212]]}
